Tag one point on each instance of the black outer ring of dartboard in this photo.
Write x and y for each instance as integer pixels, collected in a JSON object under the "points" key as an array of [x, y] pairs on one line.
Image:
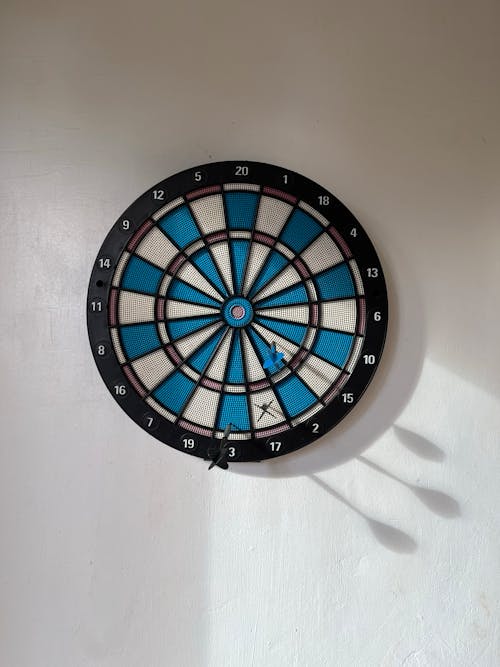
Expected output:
{"points": [[218, 173]]}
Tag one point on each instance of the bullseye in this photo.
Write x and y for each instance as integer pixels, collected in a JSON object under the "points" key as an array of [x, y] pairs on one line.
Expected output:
{"points": [[238, 312]]}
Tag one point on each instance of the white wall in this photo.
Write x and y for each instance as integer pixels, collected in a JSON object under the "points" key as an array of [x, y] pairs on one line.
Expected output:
{"points": [[117, 551]]}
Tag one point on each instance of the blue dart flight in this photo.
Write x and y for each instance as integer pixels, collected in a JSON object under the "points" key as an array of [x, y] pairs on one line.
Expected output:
{"points": [[274, 359]]}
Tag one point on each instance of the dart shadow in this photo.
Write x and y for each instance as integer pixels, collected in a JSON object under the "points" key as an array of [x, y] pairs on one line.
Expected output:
{"points": [[419, 445], [392, 538], [438, 502], [391, 389]]}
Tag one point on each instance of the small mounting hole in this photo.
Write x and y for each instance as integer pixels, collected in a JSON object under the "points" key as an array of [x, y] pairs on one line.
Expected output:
{"points": [[99, 283]]}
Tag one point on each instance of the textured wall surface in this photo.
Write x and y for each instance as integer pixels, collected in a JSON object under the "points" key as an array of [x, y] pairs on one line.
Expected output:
{"points": [[380, 544]]}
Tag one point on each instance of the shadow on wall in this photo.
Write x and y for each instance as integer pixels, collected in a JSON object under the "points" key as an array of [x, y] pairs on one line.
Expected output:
{"points": [[418, 445], [436, 501], [377, 411]]}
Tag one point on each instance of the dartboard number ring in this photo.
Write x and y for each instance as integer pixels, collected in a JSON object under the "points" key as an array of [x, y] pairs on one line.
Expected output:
{"points": [[239, 306]]}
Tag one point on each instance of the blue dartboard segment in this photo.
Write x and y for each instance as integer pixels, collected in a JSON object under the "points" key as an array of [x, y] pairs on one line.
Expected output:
{"points": [[180, 226]]}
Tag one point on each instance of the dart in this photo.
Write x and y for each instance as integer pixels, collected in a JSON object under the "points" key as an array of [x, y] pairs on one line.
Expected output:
{"points": [[274, 359], [222, 452], [267, 410]]}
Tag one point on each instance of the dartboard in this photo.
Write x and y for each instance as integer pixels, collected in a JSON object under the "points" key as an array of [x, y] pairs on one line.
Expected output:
{"points": [[237, 307]]}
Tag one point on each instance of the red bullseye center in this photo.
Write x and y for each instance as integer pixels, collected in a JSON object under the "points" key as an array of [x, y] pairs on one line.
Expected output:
{"points": [[238, 312]]}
